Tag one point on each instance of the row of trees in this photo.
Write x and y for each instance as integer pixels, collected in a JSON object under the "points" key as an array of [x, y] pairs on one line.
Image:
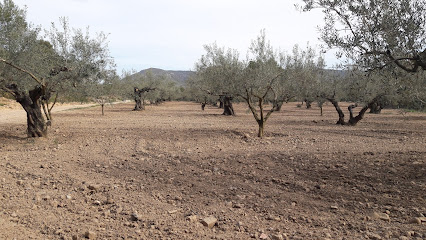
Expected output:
{"points": [[38, 68], [383, 44], [264, 76]]}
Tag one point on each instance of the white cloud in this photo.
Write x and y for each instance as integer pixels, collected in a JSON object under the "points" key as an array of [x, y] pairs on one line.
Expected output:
{"points": [[170, 34]]}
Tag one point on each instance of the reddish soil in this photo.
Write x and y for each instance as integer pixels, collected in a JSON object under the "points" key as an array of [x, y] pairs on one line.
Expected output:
{"points": [[156, 174]]}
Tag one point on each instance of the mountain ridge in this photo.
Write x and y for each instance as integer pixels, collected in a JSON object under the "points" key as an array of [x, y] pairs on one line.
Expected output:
{"points": [[179, 76]]}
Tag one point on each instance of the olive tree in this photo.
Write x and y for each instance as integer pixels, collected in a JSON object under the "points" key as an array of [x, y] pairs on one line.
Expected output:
{"points": [[304, 69], [32, 68], [265, 76], [365, 89], [375, 33], [218, 74], [103, 92], [386, 38], [261, 77]]}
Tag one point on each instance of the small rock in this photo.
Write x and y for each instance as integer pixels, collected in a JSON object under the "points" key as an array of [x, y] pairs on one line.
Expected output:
{"points": [[209, 221], [263, 236], [192, 218], [273, 218], [20, 182], [97, 202], [135, 217], [109, 200], [173, 211], [382, 216], [238, 205], [68, 197], [94, 187], [418, 235], [373, 236], [334, 207], [416, 221], [90, 235]]}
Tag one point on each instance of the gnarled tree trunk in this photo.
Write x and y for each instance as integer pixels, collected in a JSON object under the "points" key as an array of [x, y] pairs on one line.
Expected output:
{"points": [[376, 108], [335, 103], [353, 120], [228, 109], [221, 100], [139, 98], [138, 104], [308, 103], [36, 124]]}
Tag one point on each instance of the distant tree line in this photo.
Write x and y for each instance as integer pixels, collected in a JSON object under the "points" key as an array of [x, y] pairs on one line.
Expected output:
{"points": [[383, 44]]}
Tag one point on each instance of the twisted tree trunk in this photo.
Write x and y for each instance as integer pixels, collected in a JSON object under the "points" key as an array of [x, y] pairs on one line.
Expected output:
{"points": [[139, 97], [36, 124], [335, 103], [308, 103], [376, 108], [353, 120], [228, 109]]}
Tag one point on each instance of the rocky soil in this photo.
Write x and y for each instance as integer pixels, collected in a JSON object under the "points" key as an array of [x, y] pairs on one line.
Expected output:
{"points": [[176, 172]]}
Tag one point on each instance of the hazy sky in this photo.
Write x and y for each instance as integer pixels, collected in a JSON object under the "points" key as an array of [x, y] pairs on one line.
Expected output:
{"points": [[170, 34]]}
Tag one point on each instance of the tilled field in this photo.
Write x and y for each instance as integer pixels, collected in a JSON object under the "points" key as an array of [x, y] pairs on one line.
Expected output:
{"points": [[176, 172]]}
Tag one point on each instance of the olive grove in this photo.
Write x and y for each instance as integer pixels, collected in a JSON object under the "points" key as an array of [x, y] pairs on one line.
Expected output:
{"points": [[264, 80], [384, 44], [35, 68]]}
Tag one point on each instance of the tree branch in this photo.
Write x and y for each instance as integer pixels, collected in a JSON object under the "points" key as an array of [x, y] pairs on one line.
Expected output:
{"points": [[22, 70]]}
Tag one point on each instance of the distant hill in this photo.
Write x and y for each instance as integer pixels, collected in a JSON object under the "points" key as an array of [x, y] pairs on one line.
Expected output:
{"points": [[179, 77]]}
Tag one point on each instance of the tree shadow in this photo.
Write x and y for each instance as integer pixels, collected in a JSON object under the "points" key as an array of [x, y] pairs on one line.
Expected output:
{"points": [[8, 136]]}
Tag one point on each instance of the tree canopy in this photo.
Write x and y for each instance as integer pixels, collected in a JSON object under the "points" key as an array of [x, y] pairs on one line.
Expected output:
{"points": [[375, 33], [32, 66]]}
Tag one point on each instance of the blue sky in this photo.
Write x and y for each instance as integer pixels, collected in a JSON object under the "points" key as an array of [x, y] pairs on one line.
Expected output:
{"points": [[170, 34]]}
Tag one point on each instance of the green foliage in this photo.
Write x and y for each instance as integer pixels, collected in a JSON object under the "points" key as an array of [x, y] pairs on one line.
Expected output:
{"points": [[219, 71], [304, 74], [263, 70], [61, 60], [267, 73], [375, 33], [165, 88]]}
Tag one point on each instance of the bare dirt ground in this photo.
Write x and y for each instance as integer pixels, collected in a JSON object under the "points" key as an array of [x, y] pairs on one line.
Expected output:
{"points": [[12, 112], [156, 174]]}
